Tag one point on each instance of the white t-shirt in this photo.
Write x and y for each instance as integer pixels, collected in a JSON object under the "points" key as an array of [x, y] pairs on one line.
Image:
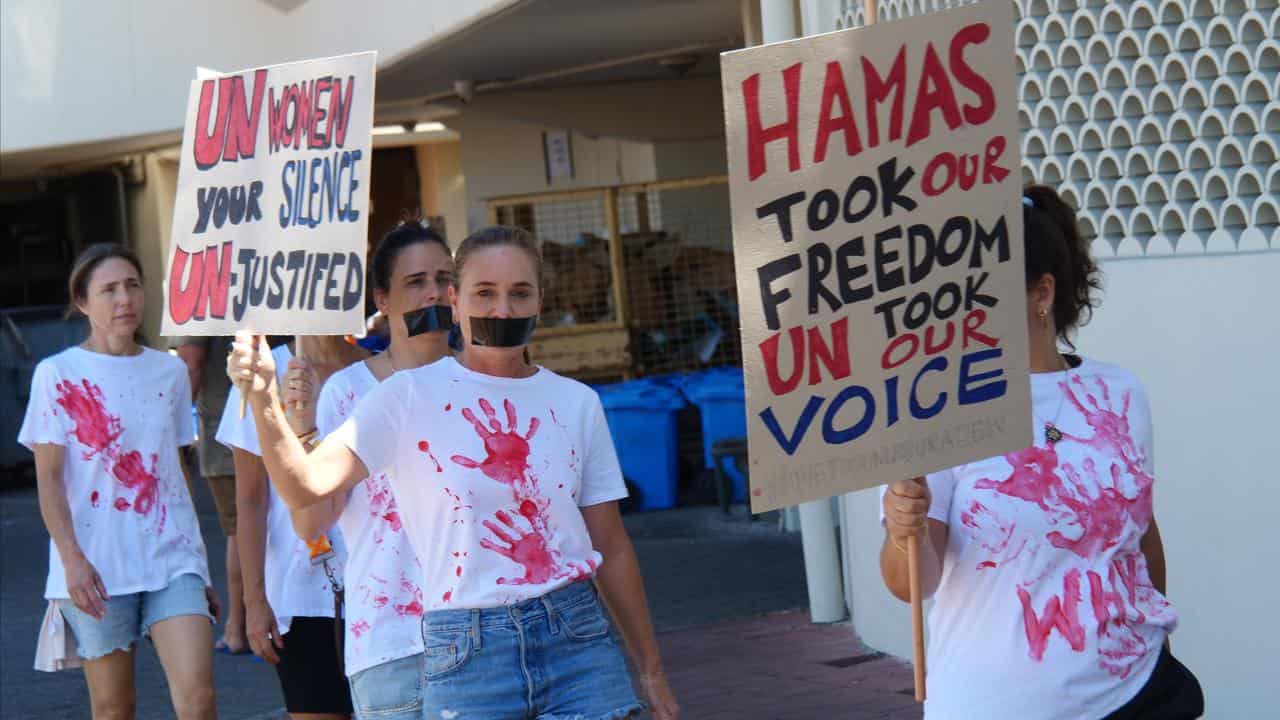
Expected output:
{"points": [[295, 587], [1045, 609], [121, 421], [489, 474], [383, 600]]}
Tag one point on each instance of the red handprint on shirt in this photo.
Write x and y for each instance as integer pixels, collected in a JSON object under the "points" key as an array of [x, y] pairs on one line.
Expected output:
{"points": [[507, 458], [1112, 435], [525, 548], [507, 461], [1090, 505], [99, 431], [132, 474], [1098, 509], [1101, 519], [95, 428]]}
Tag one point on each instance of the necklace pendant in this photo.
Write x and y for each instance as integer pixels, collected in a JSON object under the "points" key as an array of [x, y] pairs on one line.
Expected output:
{"points": [[1052, 434]]}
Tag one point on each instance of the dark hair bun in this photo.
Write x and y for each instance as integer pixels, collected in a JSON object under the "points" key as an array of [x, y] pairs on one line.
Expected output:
{"points": [[1054, 246]]}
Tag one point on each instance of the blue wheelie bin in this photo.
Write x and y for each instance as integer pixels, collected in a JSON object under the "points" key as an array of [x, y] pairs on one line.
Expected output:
{"points": [[642, 420], [721, 399]]}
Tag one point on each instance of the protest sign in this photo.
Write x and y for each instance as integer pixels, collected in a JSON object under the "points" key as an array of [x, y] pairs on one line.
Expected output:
{"points": [[877, 225], [272, 207]]}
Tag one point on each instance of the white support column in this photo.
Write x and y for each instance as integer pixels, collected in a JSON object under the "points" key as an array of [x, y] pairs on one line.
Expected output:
{"points": [[780, 20]]}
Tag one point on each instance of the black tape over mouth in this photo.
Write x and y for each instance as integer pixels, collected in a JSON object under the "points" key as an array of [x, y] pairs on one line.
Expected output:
{"points": [[502, 332], [432, 318]]}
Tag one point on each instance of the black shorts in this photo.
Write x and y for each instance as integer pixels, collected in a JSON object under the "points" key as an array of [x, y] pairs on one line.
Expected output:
{"points": [[310, 674], [1171, 693]]}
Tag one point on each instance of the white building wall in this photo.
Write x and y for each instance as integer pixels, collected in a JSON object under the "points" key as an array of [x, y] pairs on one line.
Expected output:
{"points": [[76, 71], [1159, 120], [501, 156]]}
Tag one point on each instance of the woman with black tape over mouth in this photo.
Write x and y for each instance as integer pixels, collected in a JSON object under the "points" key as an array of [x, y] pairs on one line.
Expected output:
{"points": [[507, 483], [411, 271]]}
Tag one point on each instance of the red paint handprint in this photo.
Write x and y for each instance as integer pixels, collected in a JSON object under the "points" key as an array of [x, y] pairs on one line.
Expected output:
{"points": [[95, 428], [99, 431], [991, 532], [1101, 520], [525, 548], [413, 594], [507, 457], [1111, 432], [1033, 478], [131, 473], [1123, 601]]}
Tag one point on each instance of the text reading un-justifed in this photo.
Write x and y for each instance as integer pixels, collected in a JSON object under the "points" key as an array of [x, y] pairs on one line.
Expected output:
{"points": [[293, 280]]}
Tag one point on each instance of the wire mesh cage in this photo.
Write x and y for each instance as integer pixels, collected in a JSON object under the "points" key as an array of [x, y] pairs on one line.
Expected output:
{"points": [[681, 289], [639, 279], [574, 234]]}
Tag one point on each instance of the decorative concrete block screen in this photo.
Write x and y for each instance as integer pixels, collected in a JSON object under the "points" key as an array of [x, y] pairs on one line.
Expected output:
{"points": [[1158, 119]]}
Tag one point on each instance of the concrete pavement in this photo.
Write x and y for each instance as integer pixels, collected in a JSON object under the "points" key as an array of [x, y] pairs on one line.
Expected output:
{"points": [[719, 590]]}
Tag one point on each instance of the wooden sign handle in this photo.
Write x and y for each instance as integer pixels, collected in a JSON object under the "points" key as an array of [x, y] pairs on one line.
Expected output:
{"points": [[917, 614]]}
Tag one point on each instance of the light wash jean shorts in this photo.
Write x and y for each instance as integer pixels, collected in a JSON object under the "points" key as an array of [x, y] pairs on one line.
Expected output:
{"points": [[389, 691], [130, 617], [549, 658]]}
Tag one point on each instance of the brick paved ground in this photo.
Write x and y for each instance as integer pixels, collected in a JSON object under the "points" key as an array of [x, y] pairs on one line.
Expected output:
{"points": [[716, 577], [782, 667]]}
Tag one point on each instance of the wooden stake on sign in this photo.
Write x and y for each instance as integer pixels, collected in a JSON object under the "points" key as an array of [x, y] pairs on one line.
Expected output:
{"points": [[917, 613], [913, 543]]}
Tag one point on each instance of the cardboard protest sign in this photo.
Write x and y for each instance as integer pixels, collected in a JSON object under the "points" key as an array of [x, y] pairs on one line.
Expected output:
{"points": [[877, 225], [272, 209]]}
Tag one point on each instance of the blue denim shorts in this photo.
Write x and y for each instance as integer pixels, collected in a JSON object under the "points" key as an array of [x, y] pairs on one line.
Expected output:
{"points": [[550, 658], [389, 691], [130, 617]]}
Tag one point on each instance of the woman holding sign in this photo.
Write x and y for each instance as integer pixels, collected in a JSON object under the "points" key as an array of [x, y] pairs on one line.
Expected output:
{"points": [[292, 618], [126, 560], [507, 482], [1046, 565], [411, 272]]}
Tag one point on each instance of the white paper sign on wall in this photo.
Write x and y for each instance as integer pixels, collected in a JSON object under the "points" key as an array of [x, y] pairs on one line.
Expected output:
{"points": [[558, 148]]}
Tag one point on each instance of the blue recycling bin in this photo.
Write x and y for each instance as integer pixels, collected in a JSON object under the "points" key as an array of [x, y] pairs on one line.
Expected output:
{"points": [[642, 420], [721, 399]]}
